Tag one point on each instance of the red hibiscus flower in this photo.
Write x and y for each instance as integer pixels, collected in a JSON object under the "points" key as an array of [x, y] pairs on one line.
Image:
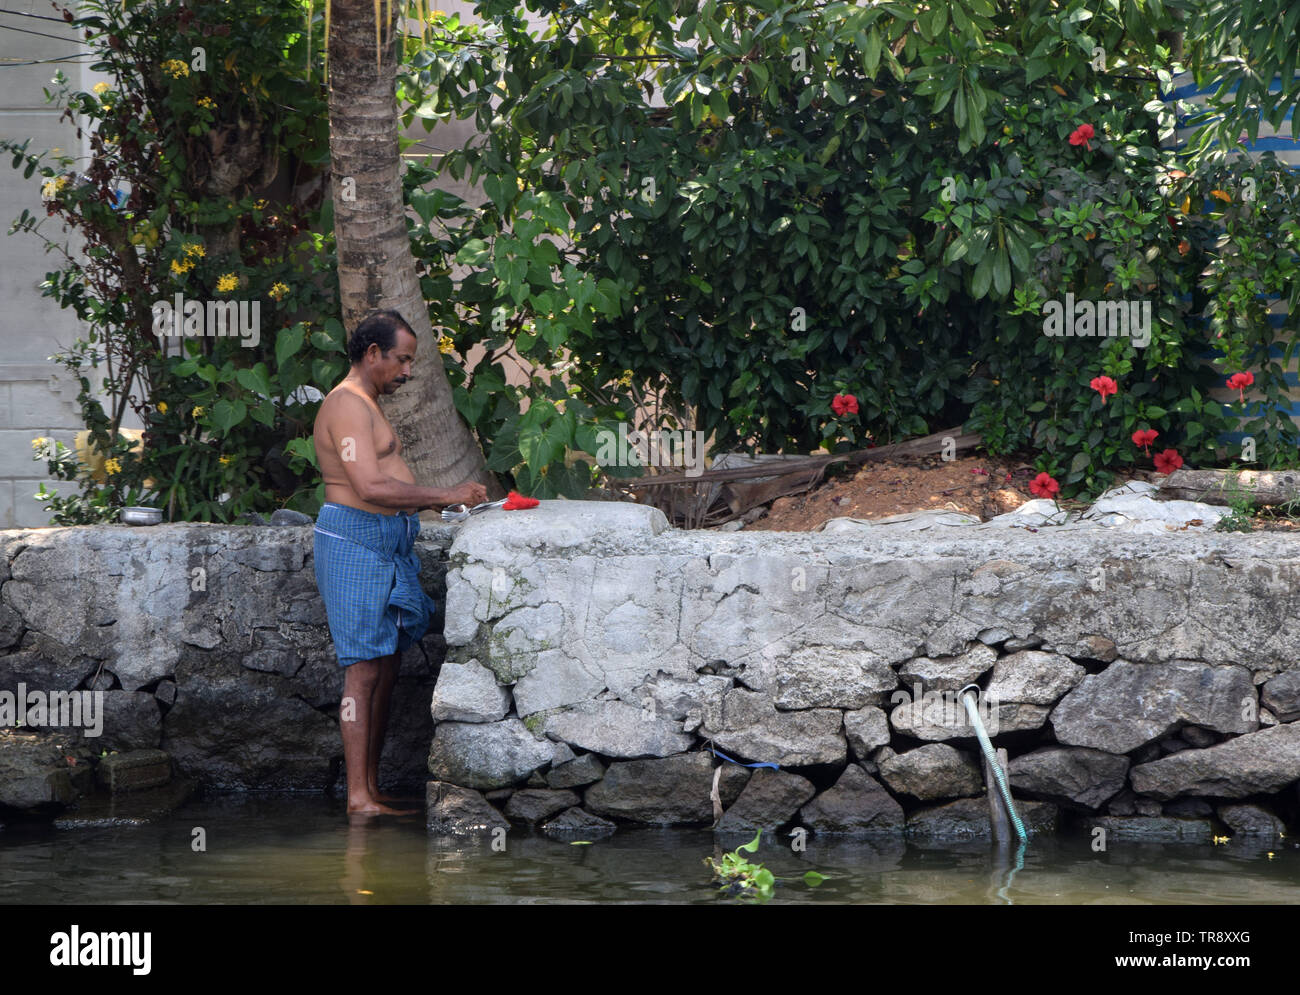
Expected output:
{"points": [[1081, 134], [1103, 386], [1145, 439], [1240, 381], [517, 502], [1168, 461], [1044, 486], [842, 403]]}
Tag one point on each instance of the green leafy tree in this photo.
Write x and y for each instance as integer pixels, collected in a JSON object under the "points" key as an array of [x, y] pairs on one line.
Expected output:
{"points": [[754, 207], [204, 109]]}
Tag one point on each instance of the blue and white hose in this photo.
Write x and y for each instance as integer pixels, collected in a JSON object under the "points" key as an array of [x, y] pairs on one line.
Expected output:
{"points": [[968, 696]]}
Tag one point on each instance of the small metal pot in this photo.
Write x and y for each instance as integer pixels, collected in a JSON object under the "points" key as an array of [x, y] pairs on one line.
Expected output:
{"points": [[141, 516]]}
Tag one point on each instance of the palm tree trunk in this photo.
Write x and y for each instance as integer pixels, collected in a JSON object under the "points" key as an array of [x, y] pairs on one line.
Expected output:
{"points": [[376, 268]]}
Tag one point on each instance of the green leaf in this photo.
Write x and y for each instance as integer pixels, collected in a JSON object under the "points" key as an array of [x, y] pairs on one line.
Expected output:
{"points": [[1001, 273], [265, 413], [322, 371], [956, 249], [475, 252], [255, 380], [812, 879], [718, 104], [226, 414], [426, 203], [287, 343], [980, 279], [695, 102], [752, 845], [871, 55]]}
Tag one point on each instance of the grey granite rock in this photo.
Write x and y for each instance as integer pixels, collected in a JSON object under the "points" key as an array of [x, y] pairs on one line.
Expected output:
{"points": [[1257, 763], [486, 755], [1130, 704], [456, 811], [669, 791], [932, 772], [1070, 775], [856, 805], [770, 799]]}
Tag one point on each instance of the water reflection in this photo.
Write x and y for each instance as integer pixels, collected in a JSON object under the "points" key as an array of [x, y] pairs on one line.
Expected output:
{"points": [[266, 849]]}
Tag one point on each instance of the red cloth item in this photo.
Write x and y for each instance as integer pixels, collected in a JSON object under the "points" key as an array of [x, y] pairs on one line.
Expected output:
{"points": [[517, 502]]}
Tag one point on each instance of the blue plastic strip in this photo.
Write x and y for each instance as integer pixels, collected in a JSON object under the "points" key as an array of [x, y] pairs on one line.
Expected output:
{"points": [[719, 753]]}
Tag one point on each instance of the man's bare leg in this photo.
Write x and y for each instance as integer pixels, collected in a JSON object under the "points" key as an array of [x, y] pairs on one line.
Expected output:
{"points": [[380, 706], [360, 682]]}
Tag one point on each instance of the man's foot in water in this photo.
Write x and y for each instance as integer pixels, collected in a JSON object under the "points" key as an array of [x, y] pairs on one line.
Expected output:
{"points": [[373, 806]]}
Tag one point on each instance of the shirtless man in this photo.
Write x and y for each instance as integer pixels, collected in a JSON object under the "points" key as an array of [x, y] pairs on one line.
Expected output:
{"points": [[366, 568]]}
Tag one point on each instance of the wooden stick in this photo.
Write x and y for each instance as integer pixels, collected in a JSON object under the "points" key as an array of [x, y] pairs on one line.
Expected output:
{"points": [[776, 468], [999, 818], [1217, 486]]}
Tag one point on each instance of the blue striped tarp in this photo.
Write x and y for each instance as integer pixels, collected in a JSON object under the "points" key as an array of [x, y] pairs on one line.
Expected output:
{"points": [[1190, 102]]}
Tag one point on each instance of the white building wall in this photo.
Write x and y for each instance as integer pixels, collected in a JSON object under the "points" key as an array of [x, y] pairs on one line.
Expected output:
{"points": [[37, 397]]}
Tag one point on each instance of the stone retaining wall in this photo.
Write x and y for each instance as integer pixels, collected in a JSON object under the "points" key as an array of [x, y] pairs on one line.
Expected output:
{"points": [[207, 640], [1145, 683], [1151, 678]]}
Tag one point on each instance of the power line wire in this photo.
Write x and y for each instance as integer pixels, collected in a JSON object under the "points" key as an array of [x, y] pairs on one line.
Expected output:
{"points": [[39, 34], [26, 13], [14, 63]]}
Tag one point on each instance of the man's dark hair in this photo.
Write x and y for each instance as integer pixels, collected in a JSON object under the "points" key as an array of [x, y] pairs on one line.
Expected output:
{"points": [[378, 327]]}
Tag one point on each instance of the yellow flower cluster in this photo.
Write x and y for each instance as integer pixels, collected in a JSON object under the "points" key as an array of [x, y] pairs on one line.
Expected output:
{"points": [[112, 466], [38, 442], [259, 204], [195, 249], [225, 460], [206, 102], [101, 88], [196, 412], [51, 188], [278, 291], [162, 407], [626, 379], [226, 283], [446, 345], [179, 267], [176, 68]]}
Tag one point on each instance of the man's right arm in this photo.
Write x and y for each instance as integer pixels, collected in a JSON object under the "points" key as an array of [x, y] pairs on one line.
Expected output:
{"points": [[352, 434]]}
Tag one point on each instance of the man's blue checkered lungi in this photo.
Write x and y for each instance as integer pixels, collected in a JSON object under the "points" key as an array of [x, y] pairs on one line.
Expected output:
{"points": [[368, 574]]}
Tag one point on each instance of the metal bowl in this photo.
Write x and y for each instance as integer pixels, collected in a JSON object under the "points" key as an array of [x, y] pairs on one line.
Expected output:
{"points": [[141, 516]]}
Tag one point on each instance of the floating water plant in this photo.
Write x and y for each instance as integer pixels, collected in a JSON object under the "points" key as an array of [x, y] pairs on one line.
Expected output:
{"points": [[739, 877]]}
